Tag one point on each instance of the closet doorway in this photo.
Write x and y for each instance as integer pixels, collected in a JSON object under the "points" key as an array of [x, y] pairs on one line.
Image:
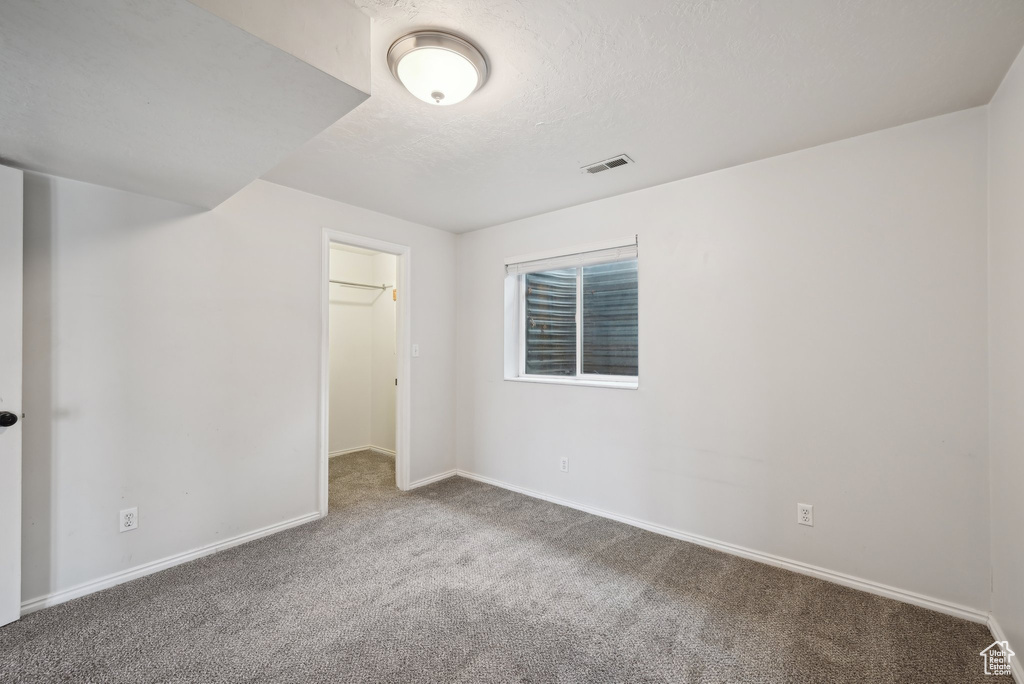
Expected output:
{"points": [[364, 360]]}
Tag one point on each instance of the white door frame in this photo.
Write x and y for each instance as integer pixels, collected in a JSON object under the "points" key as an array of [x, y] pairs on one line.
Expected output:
{"points": [[403, 320], [12, 220]]}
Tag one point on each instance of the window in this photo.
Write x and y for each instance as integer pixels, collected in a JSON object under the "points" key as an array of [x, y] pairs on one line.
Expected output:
{"points": [[574, 317], [549, 337]]}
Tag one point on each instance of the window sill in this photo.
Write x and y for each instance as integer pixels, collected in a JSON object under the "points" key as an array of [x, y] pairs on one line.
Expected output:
{"points": [[630, 384]]}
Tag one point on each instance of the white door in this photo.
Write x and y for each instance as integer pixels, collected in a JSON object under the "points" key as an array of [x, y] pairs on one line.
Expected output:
{"points": [[11, 198]]}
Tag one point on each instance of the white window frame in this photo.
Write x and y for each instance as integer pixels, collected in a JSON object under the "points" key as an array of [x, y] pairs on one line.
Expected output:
{"points": [[518, 337]]}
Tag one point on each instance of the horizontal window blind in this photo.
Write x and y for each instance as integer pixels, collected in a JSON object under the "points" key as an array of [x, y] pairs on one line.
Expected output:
{"points": [[550, 334], [573, 260], [610, 333]]}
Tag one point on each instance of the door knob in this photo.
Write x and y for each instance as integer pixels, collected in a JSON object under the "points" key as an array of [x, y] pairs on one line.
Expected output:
{"points": [[7, 419]]}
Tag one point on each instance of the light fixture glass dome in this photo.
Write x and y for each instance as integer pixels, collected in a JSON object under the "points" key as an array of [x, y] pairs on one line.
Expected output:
{"points": [[438, 68]]}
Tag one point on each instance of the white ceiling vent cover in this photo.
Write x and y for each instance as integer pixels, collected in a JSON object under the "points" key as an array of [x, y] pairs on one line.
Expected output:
{"points": [[612, 163]]}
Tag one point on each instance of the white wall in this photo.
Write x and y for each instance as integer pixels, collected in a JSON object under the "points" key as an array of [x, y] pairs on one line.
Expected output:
{"points": [[350, 349], [1006, 351], [812, 329], [172, 362], [383, 361]]}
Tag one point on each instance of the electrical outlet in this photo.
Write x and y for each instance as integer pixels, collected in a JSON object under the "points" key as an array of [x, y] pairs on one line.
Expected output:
{"points": [[805, 514], [563, 464], [129, 519]]}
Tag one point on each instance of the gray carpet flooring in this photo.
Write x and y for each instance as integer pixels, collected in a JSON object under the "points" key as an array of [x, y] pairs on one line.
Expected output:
{"points": [[463, 582]]}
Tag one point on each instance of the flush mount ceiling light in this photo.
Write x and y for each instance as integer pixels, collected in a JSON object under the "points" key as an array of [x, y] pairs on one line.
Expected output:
{"points": [[437, 67]]}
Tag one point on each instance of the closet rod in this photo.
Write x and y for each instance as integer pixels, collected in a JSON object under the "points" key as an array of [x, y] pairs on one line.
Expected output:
{"points": [[362, 285]]}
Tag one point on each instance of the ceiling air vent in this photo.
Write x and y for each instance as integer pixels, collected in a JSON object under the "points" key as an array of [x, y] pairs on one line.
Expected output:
{"points": [[621, 160]]}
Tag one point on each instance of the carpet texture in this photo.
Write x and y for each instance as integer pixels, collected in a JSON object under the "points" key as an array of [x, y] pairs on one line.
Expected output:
{"points": [[463, 582]]}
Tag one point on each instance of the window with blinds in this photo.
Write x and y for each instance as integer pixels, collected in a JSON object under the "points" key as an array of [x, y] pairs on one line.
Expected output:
{"points": [[579, 315], [550, 333], [609, 321]]}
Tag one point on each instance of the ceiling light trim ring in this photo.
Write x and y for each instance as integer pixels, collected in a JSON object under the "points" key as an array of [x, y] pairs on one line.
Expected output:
{"points": [[438, 40]]}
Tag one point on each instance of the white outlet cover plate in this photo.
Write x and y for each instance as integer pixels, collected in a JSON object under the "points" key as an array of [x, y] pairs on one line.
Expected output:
{"points": [[123, 523], [801, 518]]}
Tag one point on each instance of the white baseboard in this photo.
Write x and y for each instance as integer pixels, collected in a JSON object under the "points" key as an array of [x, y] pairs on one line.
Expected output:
{"points": [[342, 452], [116, 578], [368, 447], [911, 597], [433, 478], [1015, 661]]}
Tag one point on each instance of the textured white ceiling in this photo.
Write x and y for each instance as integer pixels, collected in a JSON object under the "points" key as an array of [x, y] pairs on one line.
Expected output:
{"points": [[682, 86], [155, 96]]}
